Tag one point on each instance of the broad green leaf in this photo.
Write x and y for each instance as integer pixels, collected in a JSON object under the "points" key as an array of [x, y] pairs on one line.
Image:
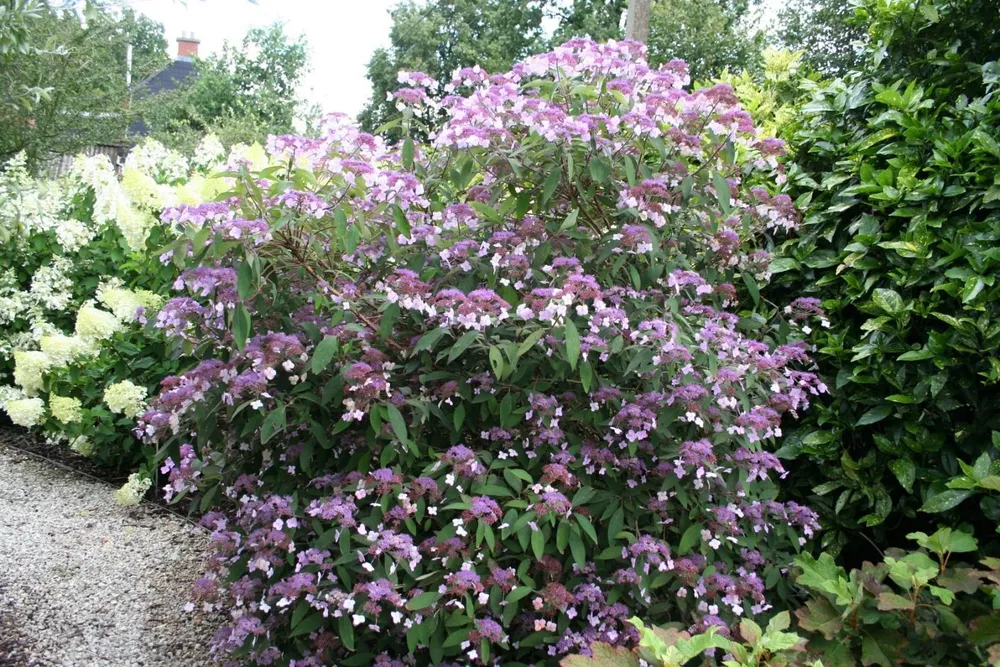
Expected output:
{"points": [[273, 423], [945, 501], [398, 423], [889, 301], [423, 600], [572, 343], [324, 353]]}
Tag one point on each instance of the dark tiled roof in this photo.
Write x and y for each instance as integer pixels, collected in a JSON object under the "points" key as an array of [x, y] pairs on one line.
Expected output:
{"points": [[170, 77]]}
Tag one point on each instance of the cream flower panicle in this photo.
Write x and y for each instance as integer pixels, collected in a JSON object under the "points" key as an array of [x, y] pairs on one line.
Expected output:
{"points": [[65, 409], [82, 445], [63, 349], [125, 398], [133, 490], [29, 369], [95, 324], [26, 412]]}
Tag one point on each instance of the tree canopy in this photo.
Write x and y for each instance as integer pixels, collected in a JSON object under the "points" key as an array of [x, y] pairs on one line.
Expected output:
{"points": [[243, 94], [63, 81], [438, 37]]}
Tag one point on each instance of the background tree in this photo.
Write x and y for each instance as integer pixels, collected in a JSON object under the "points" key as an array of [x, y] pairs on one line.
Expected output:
{"points": [[82, 67], [243, 94], [440, 37], [824, 30], [710, 35], [598, 19]]}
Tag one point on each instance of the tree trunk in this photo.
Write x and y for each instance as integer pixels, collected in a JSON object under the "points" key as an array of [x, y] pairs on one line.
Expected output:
{"points": [[637, 21]]}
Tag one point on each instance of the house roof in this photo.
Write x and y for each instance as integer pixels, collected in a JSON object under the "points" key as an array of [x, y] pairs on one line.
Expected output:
{"points": [[169, 78]]}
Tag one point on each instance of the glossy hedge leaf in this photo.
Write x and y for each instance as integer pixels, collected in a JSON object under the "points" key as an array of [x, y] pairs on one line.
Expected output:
{"points": [[945, 501], [874, 415], [889, 301]]}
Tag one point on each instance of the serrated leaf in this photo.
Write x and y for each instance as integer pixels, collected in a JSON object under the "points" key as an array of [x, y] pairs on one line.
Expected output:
{"points": [[273, 423], [398, 423], [423, 600], [324, 353], [572, 343]]}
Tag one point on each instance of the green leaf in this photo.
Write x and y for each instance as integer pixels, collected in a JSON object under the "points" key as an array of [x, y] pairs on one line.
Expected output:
{"points": [[273, 423], [586, 375], [407, 153], [496, 362], [423, 600], [551, 183], [905, 472], [462, 344], [241, 326], [722, 191], [874, 415], [570, 220], [691, 537], [398, 424], [429, 339], [244, 281], [530, 341], [311, 622], [572, 343], [751, 284], [945, 501], [324, 353], [600, 169], [889, 301]]}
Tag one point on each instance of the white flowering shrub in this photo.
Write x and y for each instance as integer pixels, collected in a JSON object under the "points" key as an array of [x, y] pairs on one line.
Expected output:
{"points": [[80, 275]]}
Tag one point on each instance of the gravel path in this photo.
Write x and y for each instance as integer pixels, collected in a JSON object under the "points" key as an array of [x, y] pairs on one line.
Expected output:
{"points": [[85, 582]]}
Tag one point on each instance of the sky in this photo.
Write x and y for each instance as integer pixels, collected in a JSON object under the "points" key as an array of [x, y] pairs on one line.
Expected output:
{"points": [[341, 36]]}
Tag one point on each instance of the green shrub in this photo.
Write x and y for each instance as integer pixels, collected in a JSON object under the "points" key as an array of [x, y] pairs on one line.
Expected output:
{"points": [[487, 398], [897, 177], [79, 279], [909, 609]]}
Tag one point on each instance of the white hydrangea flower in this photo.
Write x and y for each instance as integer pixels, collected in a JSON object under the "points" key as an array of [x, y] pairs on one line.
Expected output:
{"points": [[65, 409], [62, 349], [95, 324], [8, 393], [82, 446], [73, 234], [124, 303], [51, 286], [156, 160], [209, 153], [133, 490], [29, 369], [126, 398], [26, 412]]}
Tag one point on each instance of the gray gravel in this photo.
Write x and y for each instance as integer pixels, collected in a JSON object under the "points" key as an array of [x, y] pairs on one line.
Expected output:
{"points": [[85, 582]]}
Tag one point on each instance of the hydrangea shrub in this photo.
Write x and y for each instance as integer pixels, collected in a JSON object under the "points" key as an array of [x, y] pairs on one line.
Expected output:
{"points": [[79, 279], [485, 399]]}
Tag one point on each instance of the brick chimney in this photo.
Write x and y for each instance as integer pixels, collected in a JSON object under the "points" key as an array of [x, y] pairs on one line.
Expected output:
{"points": [[187, 46]]}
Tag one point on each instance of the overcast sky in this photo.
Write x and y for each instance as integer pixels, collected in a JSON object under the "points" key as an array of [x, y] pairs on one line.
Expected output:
{"points": [[342, 34]]}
